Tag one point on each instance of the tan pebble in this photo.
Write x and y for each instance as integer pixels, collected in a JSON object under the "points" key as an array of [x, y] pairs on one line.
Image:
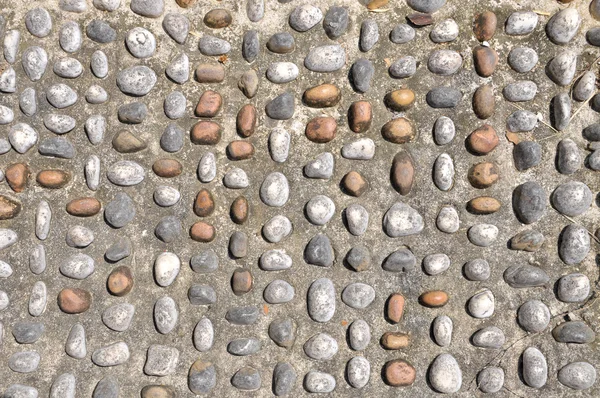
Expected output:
{"points": [[483, 205], [322, 96], [398, 131], [120, 281], [167, 168], [354, 184], [17, 176], [53, 179], [434, 298], [204, 205], [395, 307], [321, 129], [399, 373], [202, 232], [239, 210], [483, 175], [400, 100], [210, 73], [218, 18], [9, 207], [241, 281], [395, 340], [84, 207], [403, 172], [240, 150], [482, 140], [484, 102]]}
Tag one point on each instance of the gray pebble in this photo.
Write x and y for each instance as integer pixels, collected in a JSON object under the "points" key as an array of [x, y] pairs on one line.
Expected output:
{"points": [[444, 374], [205, 262], [248, 83], [358, 295], [172, 139], [43, 216], [358, 372], [134, 112], [319, 251], [521, 23], [319, 209], [361, 74], [126, 173], [246, 315], [244, 346], [235, 178], [520, 91], [70, 37], [61, 96], [161, 360], [282, 72], [521, 276], [561, 104], [79, 237], [136, 81], [100, 31], [177, 26], [166, 314], [119, 250], [250, 46], [278, 292], [279, 145], [73, 5], [118, 317], [535, 368], [38, 299], [166, 268], [179, 69], [99, 64], [57, 147], [38, 22], [59, 124], [573, 288], [119, 211], [563, 26], [482, 235], [527, 240], [335, 22], [572, 198], [12, 39], [444, 31], [574, 244], [562, 68], [148, 8], [78, 266], [488, 337], [28, 332], [321, 300], [447, 220], [533, 316], [107, 5], [442, 328], [283, 332], [204, 335], [491, 379], [577, 375], [444, 62], [521, 121], [402, 33], [238, 244], [321, 347], [402, 260], [96, 95], [577, 332], [403, 67], [435, 264], [281, 107], [592, 132], [369, 35], [358, 258], [211, 45], [8, 80], [140, 42], [527, 154], [277, 228], [319, 382], [585, 86], [482, 304], [207, 171], [4, 148], [63, 386], [247, 379], [22, 137], [522, 59], [28, 102], [321, 167], [20, 391], [255, 10], [593, 36], [426, 6], [359, 335], [202, 377], [402, 220], [443, 97], [166, 196], [168, 229], [34, 60], [443, 172], [284, 378], [443, 130], [327, 58], [95, 128], [111, 355], [4, 303], [305, 17], [108, 387], [274, 190], [281, 43], [477, 270]]}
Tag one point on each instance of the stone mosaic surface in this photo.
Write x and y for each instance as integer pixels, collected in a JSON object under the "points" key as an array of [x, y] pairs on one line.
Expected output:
{"points": [[261, 197]]}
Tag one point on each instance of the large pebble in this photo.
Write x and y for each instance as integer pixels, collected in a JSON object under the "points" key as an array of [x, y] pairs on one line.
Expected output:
{"points": [[70, 37], [61, 96], [527, 154], [24, 361], [63, 386], [577, 332], [202, 377], [573, 288], [522, 276], [402, 33], [111, 355], [444, 374], [305, 17], [179, 69], [361, 74], [434, 264], [327, 58], [335, 22], [358, 371], [577, 375], [521, 23], [319, 382], [321, 347], [443, 97], [488, 337], [148, 8], [521, 121], [402, 260], [403, 67], [482, 235], [321, 300], [534, 368], [100, 31], [482, 304], [444, 62], [444, 31], [523, 90], [529, 202], [572, 198], [177, 26], [402, 220], [282, 72], [274, 190], [38, 22], [443, 172], [533, 316], [125, 173], [166, 314], [562, 68], [359, 335], [137, 80], [319, 251], [358, 295], [357, 219], [119, 211], [281, 107], [78, 266], [573, 244], [34, 60], [522, 59], [319, 209], [491, 379], [118, 317], [563, 26]]}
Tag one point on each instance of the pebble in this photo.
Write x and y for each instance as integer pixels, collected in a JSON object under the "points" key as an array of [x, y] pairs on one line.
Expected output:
{"points": [[76, 345], [148, 8], [399, 373], [236, 178], [319, 209], [533, 316], [217, 18], [61, 96], [283, 332], [28, 332], [12, 39], [443, 130], [482, 304], [281, 43], [521, 23], [202, 377], [305, 17], [99, 64], [166, 314], [574, 244], [63, 386], [284, 378], [482, 235], [59, 124], [205, 262], [528, 240], [140, 42], [441, 329], [244, 346], [358, 295], [177, 26], [322, 96], [24, 361], [395, 308], [359, 335], [157, 391], [119, 211], [435, 264], [120, 281], [78, 266], [484, 26], [247, 315], [448, 220], [6, 115], [274, 190], [246, 121], [573, 288], [400, 100], [402, 260], [319, 251], [166, 268], [168, 229], [34, 61], [521, 121], [403, 67], [22, 137], [358, 371], [20, 391], [79, 237], [118, 317], [281, 107], [38, 22], [241, 281], [561, 104], [482, 140], [38, 299], [126, 173], [111, 355], [444, 31], [179, 69], [402, 220], [276, 229], [563, 26], [357, 219], [335, 22], [529, 202], [203, 336], [521, 276], [488, 337], [444, 62], [100, 31], [443, 97], [73, 5], [172, 139], [43, 216], [248, 83], [74, 300], [238, 244], [361, 74], [206, 132], [403, 172], [527, 154], [278, 292], [119, 250], [434, 298], [520, 91], [577, 375], [585, 87], [369, 35], [577, 332], [69, 37], [535, 368], [211, 45], [321, 167], [17, 176], [8, 81], [282, 72], [402, 33], [327, 58], [395, 340], [561, 69], [321, 300], [522, 59], [444, 374], [572, 198], [443, 172], [321, 347], [491, 379], [68, 68], [279, 145], [247, 379], [136, 81], [132, 113], [28, 102], [255, 10], [250, 46], [161, 360]]}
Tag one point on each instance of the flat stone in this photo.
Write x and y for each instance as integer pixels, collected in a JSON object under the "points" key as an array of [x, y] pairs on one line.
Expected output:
{"points": [[441, 329], [202, 377], [202, 295], [99, 64], [161, 360], [61, 96], [561, 69], [528, 240], [402, 260], [577, 375], [529, 202], [521, 276], [246, 315], [70, 37], [577, 332], [78, 266], [136, 81], [20, 391], [520, 91], [568, 158], [38, 22], [444, 62], [482, 304], [250, 46], [203, 336], [443, 97], [108, 387], [573, 288], [281, 43], [284, 378]]}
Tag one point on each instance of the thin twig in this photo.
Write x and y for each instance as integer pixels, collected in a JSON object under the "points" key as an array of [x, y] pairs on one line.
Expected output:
{"points": [[541, 121], [575, 222]]}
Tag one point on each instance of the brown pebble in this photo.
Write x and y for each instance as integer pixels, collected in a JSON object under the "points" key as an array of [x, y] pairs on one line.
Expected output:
{"points": [[403, 172], [485, 60], [9, 207], [420, 19], [202, 232], [484, 102], [434, 298], [157, 391], [241, 281], [84, 207], [209, 104], [483, 140], [395, 307], [239, 210], [484, 25], [126, 142], [400, 100], [354, 184], [204, 205], [218, 18], [245, 122], [360, 116], [167, 168], [53, 179], [322, 96], [120, 281], [483, 175], [395, 340], [248, 83], [376, 4], [210, 73], [185, 3], [483, 205], [398, 131], [206, 132], [240, 150], [17, 176], [399, 373], [74, 300], [321, 129]]}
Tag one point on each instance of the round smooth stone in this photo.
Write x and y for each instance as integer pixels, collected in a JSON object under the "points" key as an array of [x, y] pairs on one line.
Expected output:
{"points": [[255, 10], [533, 316], [63, 386], [327, 58], [126, 173], [535, 368], [282, 72], [448, 220], [443, 97], [521, 121], [444, 31], [488, 337], [277, 228], [20, 391], [568, 158], [321, 300], [166, 314], [168, 229], [369, 35], [111, 355], [148, 8], [444, 62], [68, 67], [573, 332], [335, 22], [443, 130], [137, 80], [572, 198], [275, 260], [402, 260], [166, 196], [177, 26], [521, 23], [211, 45], [573, 288], [59, 124], [118, 317], [359, 335], [22, 137], [70, 37], [284, 378], [174, 105], [361, 74], [527, 154], [281, 43], [573, 244], [320, 209], [244, 346], [278, 292], [529, 202], [402, 220], [444, 374], [362, 149], [166, 268], [28, 332], [520, 91], [477, 270], [6, 115], [443, 172], [246, 315], [99, 64], [520, 276], [100, 32], [319, 251], [12, 39], [577, 375], [246, 379], [482, 304], [403, 67], [172, 140], [441, 329], [561, 69], [78, 266], [237, 178], [321, 347], [76, 346], [402, 33], [522, 59], [319, 382], [279, 145], [482, 235], [357, 219], [281, 107], [491, 379], [38, 22], [179, 69], [283, 332], [204, 334], [358, 370], [435, 264], [305, 17], [140, 42], [358, 295], [202, 377], [79, 237], [585, 87], [563, 26], [96, 95], [205, 262], [61, 96], [24, 361], [274, 191], [34, 60], [250, 46], [120, 211]]}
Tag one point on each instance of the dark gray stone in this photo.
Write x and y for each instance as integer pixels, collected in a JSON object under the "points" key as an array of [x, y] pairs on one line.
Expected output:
{"points": [[100, 31], [119, 211], [250, 46], [521, 121], [522, 276], [577, 332], [247, 379], [133, 113], [284, 378], [246, 315], [281, 43], [172, 139], [361, 74], [529, 202], [572, 198], [57, 147], [527, 154], [281, 107], [244, 346], [335, 22], [402, 33], [119, 250], [319, 251], [443, 97], [28, 332], [283, 332]]}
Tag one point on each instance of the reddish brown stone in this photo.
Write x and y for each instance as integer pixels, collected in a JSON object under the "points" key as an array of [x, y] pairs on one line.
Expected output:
{"points": [[84, 207], [218, 18], [420, 19], [322, 96], [202, 232], [53, 179], [399, 373], [403, 172], [209, 104], [485, 60], [210, 73], [400, 100], [246, 121], [354, 184], [17, 176], [204, 205], [484, 102], [483, 175], [321, 129], [120, 281], [239, 210], [185, 3], [206, 132], [360, 116], [434, 298], [483, 205], [483, 140], [9, 207], [395, 340], [74, 300], [484, 25], [398, 131], [167, 168], [241, 281], [395, 308], [240, 150]]}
